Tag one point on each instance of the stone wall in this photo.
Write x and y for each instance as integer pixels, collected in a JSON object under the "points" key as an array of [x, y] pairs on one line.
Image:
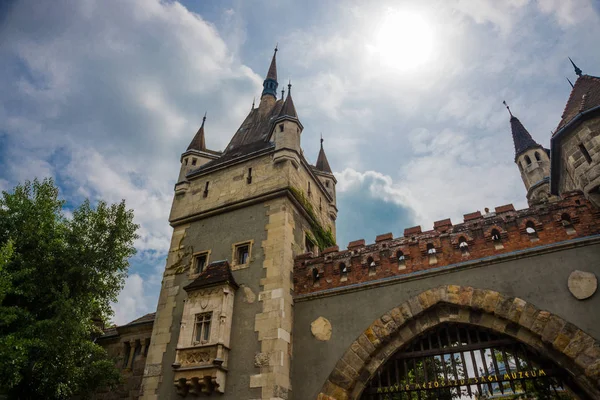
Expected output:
{"points": [[538, 276], [479, 237]]}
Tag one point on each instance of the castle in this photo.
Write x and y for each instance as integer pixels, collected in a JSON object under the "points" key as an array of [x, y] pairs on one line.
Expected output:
{"points": [[258, 301]]}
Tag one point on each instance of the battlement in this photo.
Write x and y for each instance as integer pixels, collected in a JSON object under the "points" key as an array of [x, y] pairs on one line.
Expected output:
{"points": [[480, 235]]}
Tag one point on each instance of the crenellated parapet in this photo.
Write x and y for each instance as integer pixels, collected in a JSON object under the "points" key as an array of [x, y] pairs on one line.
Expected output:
{"points": [[480, 235]]}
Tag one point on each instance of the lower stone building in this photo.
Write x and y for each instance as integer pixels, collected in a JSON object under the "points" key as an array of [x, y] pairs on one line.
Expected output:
{"points": [[258, 301]]}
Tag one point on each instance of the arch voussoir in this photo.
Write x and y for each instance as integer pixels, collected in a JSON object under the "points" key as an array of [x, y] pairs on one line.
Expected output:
{"points": [[572, 349]]}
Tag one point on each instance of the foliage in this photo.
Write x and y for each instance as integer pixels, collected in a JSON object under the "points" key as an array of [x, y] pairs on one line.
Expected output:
{"points": [[57, 275], [322, 238]]}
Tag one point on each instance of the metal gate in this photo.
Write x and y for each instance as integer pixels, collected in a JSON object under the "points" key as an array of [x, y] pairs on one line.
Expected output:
{"points": [[456, 361]]}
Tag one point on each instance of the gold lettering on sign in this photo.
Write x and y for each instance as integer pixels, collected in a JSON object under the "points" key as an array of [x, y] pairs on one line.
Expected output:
{"points": [[461, 382]]}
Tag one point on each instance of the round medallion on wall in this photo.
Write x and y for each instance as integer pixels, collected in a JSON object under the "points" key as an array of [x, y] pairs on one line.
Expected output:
{"points": [[321, 329], [582, 284]]}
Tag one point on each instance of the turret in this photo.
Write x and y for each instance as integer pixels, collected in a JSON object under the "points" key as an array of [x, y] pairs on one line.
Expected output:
{"points": [[196, 154], [287, 128], [533, 161], [323, 171]]}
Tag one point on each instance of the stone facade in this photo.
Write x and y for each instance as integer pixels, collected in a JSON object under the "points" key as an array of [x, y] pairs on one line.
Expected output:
{"points": [[257, 301]]}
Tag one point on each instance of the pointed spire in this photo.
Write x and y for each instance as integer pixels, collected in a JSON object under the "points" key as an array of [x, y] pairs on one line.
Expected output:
{"points": [[198, 142], [570, 83], [270, 83], [272, 74], [282, 93], [521, 137], [288, 109], [578, 71], [322, 163]]}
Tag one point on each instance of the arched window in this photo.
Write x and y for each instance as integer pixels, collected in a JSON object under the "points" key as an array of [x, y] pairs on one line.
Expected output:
{"points": [[565, 219], [463, 245], [495, 235], [537, 156], [372, 265], [343, 272], [401, 260], [530, 229], [430, 248], [316, 276], [528, 160]]}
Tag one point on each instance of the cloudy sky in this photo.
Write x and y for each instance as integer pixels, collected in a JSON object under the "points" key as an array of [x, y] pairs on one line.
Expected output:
{"points": [[104, 95]]}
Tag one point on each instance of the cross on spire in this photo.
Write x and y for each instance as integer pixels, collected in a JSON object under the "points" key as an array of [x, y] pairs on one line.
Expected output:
{"points": [[507, 107]]}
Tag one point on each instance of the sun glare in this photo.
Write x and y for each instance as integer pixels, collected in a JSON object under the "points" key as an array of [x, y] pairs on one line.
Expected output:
{"points": [[403, 40]]}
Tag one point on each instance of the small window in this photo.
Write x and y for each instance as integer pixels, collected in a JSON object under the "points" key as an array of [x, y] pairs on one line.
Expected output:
{"points": [[565, 219], [242, 253], [401, 260], [537, 156], [530, 229], [202, 327], [343, 272], [309, 192], [463, 245], [372, 266], [200, 262], [185, 161], [249, 178], [326, 184], [127, 354], [194, 161], [430, 248], [280, 127], [495, 235], [206, 189], [309, 246], [585, 153], [528, 160], [315, 276], [320, 204]]}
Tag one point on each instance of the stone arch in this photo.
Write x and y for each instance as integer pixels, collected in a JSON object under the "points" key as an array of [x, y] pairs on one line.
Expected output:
{"points": [[565, 344]]}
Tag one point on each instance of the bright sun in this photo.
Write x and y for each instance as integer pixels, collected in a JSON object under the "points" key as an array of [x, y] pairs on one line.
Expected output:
{"points": [[403, 40]]}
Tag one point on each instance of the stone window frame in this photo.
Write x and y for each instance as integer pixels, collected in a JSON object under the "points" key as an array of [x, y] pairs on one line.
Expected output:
{"points": [[234, 262], [202, 341], [192, 273]]}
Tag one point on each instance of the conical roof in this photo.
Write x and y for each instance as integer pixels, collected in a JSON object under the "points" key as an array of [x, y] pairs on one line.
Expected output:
{"points": [[288, 109], [584, 96], [272, 73], [198, 142], [521, 137], [322, 163]]}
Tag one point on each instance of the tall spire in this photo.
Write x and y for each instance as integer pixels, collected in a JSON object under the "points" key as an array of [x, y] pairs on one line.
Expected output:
{"points": [[578, 71], [198, 142], [521, 137], [270, 83], [322, 163]]}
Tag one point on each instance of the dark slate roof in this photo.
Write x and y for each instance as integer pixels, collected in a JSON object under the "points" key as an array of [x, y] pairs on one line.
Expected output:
{"points": [[322, 163], [198, 142], [251, 136], [288, 109], [521, 137], [584, 96], [216, 273], [272, 73], [146, 318]]}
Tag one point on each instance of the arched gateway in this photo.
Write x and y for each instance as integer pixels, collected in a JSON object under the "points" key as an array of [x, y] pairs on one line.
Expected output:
{"points": [[456, 342]]}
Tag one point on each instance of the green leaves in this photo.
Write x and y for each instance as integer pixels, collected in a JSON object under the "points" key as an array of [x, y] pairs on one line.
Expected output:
{"points": [[56, 275]]}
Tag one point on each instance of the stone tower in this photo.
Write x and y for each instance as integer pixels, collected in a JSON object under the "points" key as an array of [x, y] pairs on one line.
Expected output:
{"points": [[533, 161], [224, 319]]}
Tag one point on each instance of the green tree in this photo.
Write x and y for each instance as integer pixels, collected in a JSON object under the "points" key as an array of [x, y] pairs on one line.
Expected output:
{"points": [[57, 275]]}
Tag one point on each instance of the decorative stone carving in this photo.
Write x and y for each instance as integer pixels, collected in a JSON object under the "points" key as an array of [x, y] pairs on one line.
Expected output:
{"points": [[249, 296], [195, 357], [582, 284], [321, 329], [261, 359]]}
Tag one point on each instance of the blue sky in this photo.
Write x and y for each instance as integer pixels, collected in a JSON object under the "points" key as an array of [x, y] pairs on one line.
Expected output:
{"points": [[105, 95]]}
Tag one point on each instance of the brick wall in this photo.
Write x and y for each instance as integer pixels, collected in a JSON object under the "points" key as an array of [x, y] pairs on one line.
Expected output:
{"points": [[499, 232]]}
